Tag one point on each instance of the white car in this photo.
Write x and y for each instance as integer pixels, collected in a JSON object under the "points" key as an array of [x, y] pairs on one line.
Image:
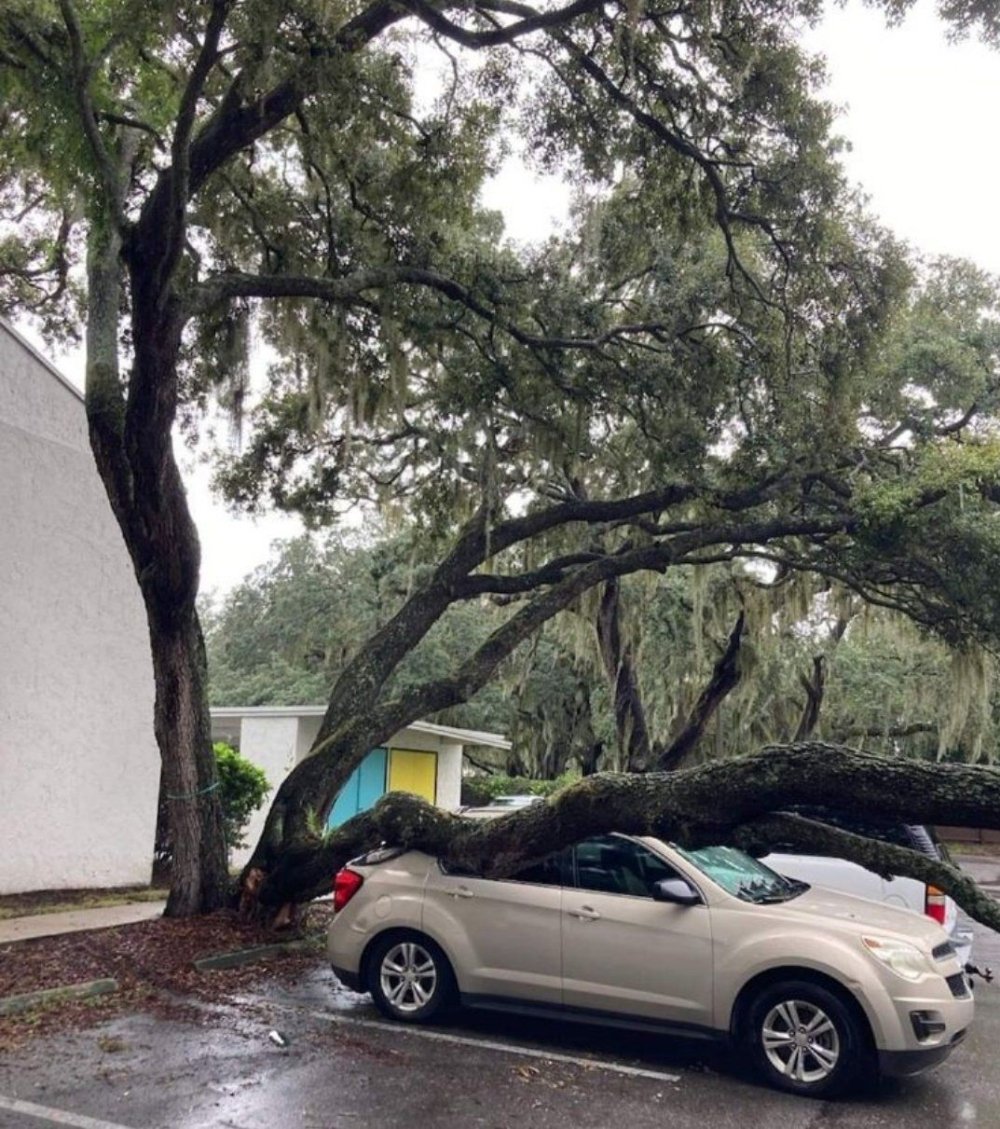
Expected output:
{"points": [[818, 987], [906, 893]]}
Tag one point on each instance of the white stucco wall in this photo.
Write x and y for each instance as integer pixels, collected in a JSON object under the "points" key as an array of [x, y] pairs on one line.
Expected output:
{"points": [[270, 743], [308, 729], [276, 738], [449, 776], [78, 760]]}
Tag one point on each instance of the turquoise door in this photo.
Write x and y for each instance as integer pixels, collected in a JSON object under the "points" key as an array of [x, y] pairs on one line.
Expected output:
{"points": [[364, 786]]}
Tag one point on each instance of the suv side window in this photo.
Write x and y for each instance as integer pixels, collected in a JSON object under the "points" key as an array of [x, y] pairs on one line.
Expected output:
{"points": [[552, 870], [611, 865]]}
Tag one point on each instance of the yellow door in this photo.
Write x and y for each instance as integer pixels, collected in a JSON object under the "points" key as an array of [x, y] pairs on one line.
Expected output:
{"points": [[410, 771]]}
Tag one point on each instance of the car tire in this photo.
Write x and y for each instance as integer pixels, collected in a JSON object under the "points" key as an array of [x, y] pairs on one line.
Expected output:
{"points": [[409, 978], [805, 1039]]}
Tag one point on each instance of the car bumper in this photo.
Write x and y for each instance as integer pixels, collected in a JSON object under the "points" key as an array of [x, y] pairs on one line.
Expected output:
{"points": [[962, 940], [921, 1026], [900, 1064]]}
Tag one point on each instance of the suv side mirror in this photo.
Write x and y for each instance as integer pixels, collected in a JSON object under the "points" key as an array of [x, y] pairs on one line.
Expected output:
{"points": [[677, 891]]}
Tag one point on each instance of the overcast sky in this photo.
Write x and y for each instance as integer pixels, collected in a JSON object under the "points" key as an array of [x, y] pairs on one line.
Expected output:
{"points": [[920, 116]]}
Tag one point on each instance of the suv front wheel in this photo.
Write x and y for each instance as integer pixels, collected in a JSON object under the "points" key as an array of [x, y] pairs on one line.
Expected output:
{"points": [[409, 978], [805, 1039]]}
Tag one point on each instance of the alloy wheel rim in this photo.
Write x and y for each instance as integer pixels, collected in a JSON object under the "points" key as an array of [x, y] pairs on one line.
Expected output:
{"points": [[408, 976], [800, 1041]]}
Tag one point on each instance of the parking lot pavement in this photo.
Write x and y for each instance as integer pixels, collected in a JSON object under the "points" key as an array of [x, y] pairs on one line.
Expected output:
{"points": [[319, 1057], [343, 1066]]}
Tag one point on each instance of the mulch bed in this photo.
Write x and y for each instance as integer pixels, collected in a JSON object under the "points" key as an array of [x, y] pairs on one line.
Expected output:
{"points": [[152, 961]]}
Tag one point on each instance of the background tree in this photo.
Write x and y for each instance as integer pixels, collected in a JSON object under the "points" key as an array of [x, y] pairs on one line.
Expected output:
{"points": [[283, 636]]}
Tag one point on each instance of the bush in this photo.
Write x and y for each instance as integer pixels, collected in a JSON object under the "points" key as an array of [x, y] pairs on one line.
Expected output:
{"points": [[243, 787], [478, 791]]}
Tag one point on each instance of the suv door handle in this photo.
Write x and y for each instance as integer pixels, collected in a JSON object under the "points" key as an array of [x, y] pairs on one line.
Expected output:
{"points": [[461, 892], [585, 913]]}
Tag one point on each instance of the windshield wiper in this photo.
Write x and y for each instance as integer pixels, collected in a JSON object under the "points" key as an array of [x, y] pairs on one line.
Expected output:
{"points": [[770, 893], [792, 888]]}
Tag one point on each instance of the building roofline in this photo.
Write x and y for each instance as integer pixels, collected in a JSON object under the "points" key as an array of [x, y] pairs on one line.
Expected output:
{"points": [[465, 736], [40, 357]]}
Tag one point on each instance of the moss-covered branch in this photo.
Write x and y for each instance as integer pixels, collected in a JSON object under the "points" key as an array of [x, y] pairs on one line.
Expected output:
{"points": [[886, 859], [739, 800]]}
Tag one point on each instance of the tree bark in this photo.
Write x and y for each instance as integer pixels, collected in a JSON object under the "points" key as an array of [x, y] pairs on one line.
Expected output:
{"points": [[616, 657], [200, 878], [725, 677], [734, 801]]}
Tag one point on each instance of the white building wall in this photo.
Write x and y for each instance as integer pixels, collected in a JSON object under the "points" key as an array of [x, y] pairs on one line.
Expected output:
{"points": [[449, 776], [276, 738], [270, 743], [78, 760], [449, 759], [308, 729]]}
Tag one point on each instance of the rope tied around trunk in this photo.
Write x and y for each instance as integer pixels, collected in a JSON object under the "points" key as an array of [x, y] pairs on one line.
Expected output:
{"points": [[194, 795]]}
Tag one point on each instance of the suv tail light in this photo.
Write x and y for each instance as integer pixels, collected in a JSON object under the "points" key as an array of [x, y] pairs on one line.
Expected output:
{"points": [[934, 904], [345, 885]]}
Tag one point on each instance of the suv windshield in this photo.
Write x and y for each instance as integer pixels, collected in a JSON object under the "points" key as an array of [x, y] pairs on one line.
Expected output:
{"points": [[739, 874]]}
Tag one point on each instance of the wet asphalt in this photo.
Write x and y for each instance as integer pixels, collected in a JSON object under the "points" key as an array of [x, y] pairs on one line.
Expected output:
{"points": [[342, 1066]]}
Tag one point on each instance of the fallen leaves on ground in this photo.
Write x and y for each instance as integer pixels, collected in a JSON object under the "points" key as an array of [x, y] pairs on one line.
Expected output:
{"points": [[152, 962]]}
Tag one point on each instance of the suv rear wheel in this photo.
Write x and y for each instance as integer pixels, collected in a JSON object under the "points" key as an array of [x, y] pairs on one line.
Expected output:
{"points": [[409, 978], [805, 1039]]}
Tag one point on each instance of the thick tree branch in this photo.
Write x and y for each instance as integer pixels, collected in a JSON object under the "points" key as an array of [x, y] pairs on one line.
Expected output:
{"points": [[619, 668], [737, 800], [725, 677], [108, 167], [814, 686], [173, 232], [349, 290], [786, 831], [531, 21]]}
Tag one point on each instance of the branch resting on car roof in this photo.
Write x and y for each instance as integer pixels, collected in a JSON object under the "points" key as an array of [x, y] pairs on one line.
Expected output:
{"points": [[886, 859], [738, 801]]}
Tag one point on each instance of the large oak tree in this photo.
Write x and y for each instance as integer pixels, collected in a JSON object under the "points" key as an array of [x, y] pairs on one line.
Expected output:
{"points": [[712, 364]]}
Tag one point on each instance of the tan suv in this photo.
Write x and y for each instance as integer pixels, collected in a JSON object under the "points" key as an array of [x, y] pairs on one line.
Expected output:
{"points": [[818, 986]]}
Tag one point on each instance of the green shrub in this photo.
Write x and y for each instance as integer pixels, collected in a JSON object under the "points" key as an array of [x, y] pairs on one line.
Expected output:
{"points": [[243, 787]]}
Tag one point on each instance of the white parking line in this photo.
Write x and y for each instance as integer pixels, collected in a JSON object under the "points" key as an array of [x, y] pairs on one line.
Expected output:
{"points": [[56, 1116], [490, 1045]]}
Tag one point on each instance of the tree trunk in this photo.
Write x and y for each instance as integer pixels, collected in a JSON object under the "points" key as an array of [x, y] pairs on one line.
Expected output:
{"points": [[616, 657], [725, 677], [200, 879], [132, 446]]}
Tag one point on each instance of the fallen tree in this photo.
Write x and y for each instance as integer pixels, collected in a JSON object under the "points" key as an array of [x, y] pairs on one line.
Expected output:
{"points": [[739, 801], [718, 352]]}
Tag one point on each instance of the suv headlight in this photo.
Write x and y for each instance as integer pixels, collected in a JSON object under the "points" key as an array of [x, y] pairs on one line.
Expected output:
{"points": [[904, 959]]}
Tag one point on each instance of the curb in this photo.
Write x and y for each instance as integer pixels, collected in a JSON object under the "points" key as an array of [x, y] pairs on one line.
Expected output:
{"points": [[11, 1005], [239, 957]]}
